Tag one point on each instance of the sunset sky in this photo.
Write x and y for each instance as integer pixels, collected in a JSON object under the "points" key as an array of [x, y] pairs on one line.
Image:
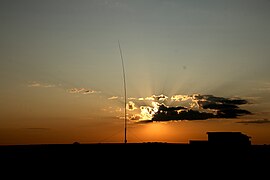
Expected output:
{"points": [[61, 73]]}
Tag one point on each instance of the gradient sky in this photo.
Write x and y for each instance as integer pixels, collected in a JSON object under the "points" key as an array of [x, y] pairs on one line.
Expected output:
{"points": [[61, 74]]}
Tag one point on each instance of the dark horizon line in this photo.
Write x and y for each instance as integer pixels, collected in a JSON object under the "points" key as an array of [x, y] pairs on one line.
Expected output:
{"points": [[112, 143]]}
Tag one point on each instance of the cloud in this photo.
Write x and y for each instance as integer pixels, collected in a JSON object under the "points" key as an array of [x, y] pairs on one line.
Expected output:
{"points": [[181, 98], [40, 85], [82, 91], [160, 97], [90, 92], [131, 106], [132, 98], [135, 117], [187, 107], [144, 121], [224, 107], [166, 113], [259, 121], [113, 97]]}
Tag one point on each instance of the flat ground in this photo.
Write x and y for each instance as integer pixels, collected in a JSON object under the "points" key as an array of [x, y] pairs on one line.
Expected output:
{"points": [[135, 152]]}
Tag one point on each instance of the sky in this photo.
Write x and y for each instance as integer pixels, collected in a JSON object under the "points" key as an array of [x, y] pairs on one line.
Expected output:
{"points": [[191, 67]]}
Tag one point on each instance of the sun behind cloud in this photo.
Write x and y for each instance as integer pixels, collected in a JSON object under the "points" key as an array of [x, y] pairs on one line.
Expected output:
{"points": [[184, 107]]}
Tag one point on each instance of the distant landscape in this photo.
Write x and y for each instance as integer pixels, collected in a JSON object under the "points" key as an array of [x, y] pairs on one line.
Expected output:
{"points": [[154, 151]]}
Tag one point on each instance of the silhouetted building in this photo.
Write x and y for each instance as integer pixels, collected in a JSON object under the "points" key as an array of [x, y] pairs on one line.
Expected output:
{"points": [[228, 139], [224, 139]]}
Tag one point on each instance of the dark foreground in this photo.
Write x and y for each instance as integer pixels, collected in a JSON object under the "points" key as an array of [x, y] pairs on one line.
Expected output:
{"points": [[134, 152], [136, 158]]}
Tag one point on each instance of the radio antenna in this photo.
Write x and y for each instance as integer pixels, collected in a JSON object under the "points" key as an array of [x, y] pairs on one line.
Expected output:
{"points": [[125, 92]]}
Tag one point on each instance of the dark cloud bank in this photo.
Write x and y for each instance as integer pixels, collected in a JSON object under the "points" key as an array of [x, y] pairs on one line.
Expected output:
{"points": [[209, 107], [259, 121]]}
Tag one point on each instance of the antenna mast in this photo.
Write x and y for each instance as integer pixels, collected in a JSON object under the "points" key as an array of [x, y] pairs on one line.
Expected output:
{"points": [[125, 91]]}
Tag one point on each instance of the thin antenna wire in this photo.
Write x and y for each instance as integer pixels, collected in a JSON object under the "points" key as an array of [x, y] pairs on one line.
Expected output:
{"points": [[125, 90]]}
